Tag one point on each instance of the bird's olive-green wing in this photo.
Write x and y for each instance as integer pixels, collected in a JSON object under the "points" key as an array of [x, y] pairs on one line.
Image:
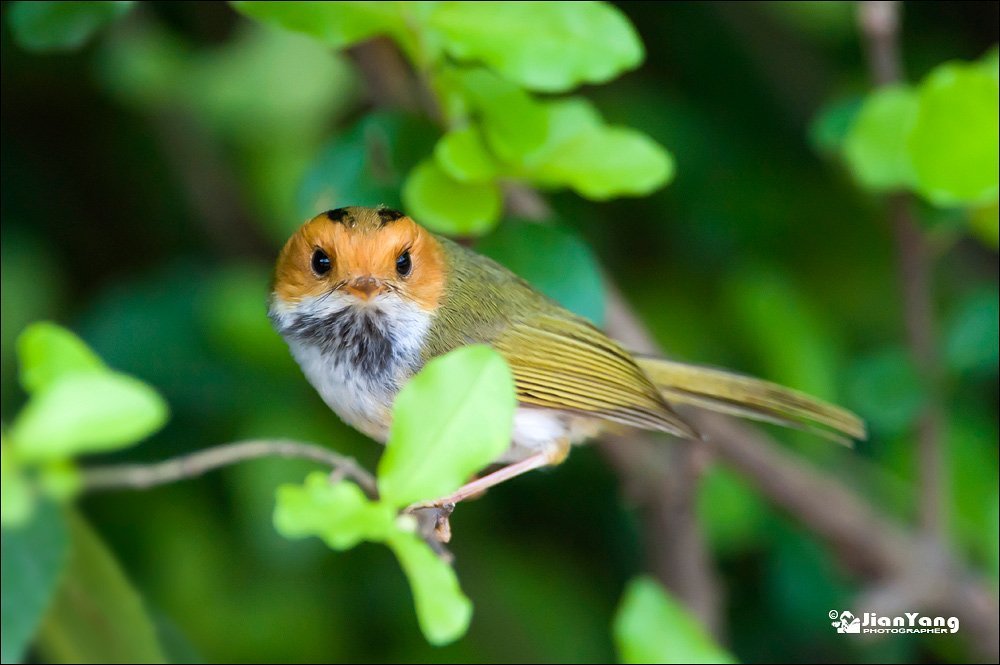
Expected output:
{"points": [[567, 364]]}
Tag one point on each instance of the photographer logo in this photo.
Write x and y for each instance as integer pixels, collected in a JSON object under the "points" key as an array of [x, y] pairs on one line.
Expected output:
{"points": [[910, 622]]}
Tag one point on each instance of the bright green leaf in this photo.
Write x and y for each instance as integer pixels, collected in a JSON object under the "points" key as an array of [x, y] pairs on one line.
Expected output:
{"points": [[366, 165], [555, 261], [972, 334], [463, 155], [339, 513], [41, 25], [48, 352], [955, 142], [513, 122], [17, 496], [598, 161], [875, 145], [336, 24], [32, 559], [85, 413], [60, 480], [445, 205], [443, 611], [96, 616], [652, 627], [452, 419], [545, 46]]}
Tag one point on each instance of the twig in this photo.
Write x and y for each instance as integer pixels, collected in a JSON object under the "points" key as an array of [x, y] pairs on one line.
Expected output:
{"points": [[879, 22], [192, 465]]}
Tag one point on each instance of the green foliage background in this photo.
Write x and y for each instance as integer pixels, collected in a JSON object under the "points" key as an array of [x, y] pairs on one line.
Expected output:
{"points": [[150, 177]]}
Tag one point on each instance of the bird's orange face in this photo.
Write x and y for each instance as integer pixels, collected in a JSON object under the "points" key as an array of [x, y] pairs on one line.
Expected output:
{"points": [[359, 256]]}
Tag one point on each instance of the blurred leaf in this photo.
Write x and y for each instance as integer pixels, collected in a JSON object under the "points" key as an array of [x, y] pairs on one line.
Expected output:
{"points": [[597, 160], [886, 390], [339, 513], [366, 165], [233, 316], [41, 25], [445, 205], [652, 627], [513, 122], [972, 334], [97, 616], [48, 352], [985, 224], [555, 261], [829, 128], [955, 141], [60, 480], [85, 413], [32, 558], [545, 46], [732, 514], [450, 421], [336, 24], [875, 146], [463, 155], [443, 611], [17, 496]]}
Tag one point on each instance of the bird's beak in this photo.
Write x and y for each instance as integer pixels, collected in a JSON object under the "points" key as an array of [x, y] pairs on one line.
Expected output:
{"points": [[365, 288]]}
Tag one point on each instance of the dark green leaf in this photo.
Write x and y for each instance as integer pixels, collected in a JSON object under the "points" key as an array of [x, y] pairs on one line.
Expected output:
{"points": [[96, 616], [829, 128], [452, 419], [972, 334], [652, 627], [955, 142], [556, 262], [42, 25], [47, 352], [85, 413], [32, 558], [886, 390], [545, 46], [445, 205]]}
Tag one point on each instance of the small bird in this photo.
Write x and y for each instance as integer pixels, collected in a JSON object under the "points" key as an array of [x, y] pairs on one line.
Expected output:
{"points": [[365, 297]]}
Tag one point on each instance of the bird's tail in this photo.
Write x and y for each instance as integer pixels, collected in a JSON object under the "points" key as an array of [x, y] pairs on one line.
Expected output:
{"points": [[747, 397]]}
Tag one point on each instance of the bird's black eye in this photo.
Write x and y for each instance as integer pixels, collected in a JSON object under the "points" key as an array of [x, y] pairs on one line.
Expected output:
{"points": [[320, 262], [404, 264]]}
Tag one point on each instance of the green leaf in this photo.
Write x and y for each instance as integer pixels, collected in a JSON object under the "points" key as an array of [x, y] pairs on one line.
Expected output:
{"points": [[886, 390], [513, 122], [339, 513], [85, 413], [32, 559], [829, 128], [42, 25], [955, 142], [972, 334], [17, 496], [463, 155], [336, 24], [443, 611], [545, 46], [876, 143], [445, 205], [97, 616], [599, 161], [48, 352], [367, 165], [452, 419], [651, 627], [556, 262]]}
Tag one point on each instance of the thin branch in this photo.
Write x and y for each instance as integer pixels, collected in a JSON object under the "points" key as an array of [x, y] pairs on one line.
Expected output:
{"points": [[192, 465], [880, 23]]}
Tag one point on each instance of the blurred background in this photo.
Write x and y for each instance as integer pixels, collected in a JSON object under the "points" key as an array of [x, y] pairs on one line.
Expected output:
{"points": [[150, 178]]}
